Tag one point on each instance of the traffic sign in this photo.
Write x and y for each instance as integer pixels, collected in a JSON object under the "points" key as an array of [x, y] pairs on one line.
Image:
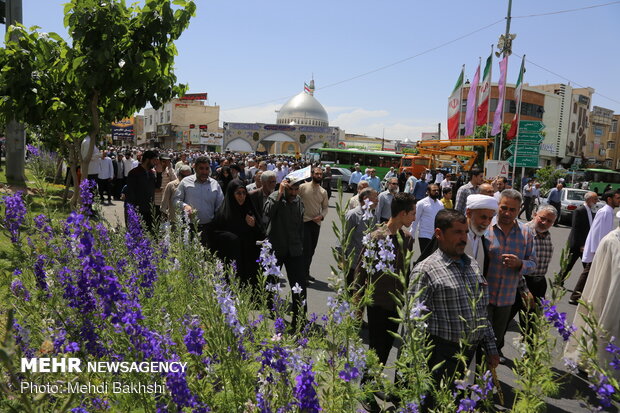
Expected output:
{"points": [[524, 149], [524, 161], [530, 138], [531, 126]]}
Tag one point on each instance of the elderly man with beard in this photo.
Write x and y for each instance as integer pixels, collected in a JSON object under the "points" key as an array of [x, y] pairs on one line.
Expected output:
{"points": [[316, 206], [480, 211], [426, 210], [536, 281], [384, 210]]}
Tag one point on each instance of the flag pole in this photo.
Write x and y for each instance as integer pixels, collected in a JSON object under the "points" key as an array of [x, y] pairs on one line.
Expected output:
{"points": [[458, 135], [518, 115]]}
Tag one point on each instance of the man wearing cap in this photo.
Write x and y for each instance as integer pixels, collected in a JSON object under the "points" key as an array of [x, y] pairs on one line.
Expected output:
{"points": [[167, 176], [141, 184], [285, 231], [355, 178]]}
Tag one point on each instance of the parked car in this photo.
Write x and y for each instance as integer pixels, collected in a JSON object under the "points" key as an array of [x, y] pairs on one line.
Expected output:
{"points": [[572, 199], [340, 174]]}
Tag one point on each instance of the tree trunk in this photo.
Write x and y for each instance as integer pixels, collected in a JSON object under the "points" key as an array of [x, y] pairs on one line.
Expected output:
{"points": [[15, 153]]}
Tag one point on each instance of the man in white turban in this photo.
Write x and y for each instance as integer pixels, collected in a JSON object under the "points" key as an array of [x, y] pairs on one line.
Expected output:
{"points": [[480, 210]]}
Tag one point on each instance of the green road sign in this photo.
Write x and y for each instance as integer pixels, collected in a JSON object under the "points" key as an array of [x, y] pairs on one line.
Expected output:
{"points": [[524, 161], [531, 126], [525, 149], [530, 138]]}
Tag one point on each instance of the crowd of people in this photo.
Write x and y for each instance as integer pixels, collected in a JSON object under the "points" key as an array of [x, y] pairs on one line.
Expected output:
{"points": [[473, 247]]}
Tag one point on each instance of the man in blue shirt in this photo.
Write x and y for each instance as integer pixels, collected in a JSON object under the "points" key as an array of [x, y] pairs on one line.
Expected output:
{"points": [[419, 189], [555, 199], [373, 181], [355, 178]]}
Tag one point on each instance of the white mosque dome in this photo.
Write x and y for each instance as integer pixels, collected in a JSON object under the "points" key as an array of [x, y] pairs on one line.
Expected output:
{"points": [[303, 109]]}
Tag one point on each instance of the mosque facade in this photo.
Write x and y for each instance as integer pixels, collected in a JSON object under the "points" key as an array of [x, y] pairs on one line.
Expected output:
{"points": [[301, 125]]}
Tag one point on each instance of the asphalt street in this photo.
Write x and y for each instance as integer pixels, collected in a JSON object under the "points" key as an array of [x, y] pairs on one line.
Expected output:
{"points": [[573, 389]]}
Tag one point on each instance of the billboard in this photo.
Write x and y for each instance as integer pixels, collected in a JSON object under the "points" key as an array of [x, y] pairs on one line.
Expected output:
{"points": [[194, 96], [123, 129]]}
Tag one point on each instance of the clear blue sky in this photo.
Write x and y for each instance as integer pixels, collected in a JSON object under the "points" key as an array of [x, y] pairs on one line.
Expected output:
{"points": [[251, 55]]}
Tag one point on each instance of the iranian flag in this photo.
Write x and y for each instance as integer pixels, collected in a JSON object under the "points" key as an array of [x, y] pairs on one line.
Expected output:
{"points": [[485, 94], [514, 125], [454, 107]]}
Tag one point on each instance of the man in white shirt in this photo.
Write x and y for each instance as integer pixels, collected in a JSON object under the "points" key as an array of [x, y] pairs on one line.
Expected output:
{"points": [[439, 178], [426, 209], [500, 185], [410, 184], [127, 164], [446, 182], [428, 177], [602, 225], [105, 176]]}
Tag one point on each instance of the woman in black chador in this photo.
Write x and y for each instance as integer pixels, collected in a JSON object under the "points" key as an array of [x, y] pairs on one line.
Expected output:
{"points": [[236, 231]]}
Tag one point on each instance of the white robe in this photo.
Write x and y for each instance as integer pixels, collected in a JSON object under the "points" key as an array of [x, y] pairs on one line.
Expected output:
{"points": [[602, 291], [603, 223]]}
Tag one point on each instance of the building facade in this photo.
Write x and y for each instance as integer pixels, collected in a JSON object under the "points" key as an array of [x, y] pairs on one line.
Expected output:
{"points": [[184, 124]]}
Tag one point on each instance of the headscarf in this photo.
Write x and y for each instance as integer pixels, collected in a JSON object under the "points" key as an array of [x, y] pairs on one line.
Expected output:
{"points": [[231, 214], [224, 180]]}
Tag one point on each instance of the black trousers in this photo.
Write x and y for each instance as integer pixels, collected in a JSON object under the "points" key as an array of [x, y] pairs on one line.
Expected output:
{"points": [[119, 183], [558, 207], [444, 351], [424, 243], [104, 188], [379, 326], [527, 207], [538, 287], [311, 238], [295, 273], [581, 283], [574, 256]]}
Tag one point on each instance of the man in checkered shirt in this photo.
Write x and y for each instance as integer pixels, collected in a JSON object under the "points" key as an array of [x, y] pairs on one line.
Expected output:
{"points": [[449, 285]]}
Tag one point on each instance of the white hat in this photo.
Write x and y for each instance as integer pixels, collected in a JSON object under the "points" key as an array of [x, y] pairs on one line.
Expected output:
{"points": [[477, 201]]}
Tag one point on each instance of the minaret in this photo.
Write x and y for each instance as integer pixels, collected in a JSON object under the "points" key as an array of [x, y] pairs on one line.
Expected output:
{"points": [[312, 87]]}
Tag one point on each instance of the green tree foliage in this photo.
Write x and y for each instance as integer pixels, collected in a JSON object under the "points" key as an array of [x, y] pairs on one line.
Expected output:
{"points": [[118, 59], [548, 176]]}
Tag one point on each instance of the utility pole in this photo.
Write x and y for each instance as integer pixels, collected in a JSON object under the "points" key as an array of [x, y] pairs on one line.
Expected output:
{"points": [[504, 46], [15, 131]]}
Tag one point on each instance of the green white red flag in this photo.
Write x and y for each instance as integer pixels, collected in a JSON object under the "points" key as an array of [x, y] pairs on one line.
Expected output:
{"points": [[454, 107], [514, 125], [485, 94]]}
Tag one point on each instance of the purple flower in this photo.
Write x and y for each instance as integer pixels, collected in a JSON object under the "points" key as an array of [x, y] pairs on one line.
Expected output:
{"points": [[228, 303], [340, 309], [410, 408], [39, 272], [368, 213], [72, 347], [279, 325], [305, 390], [22, 339], [79, 410], [18, 289], [558, 320], [42, 223], [604, 390], [615, 351], [140, 249], [87, 196], [194, 340], [349, 372], [14, 214], [33, 150]]}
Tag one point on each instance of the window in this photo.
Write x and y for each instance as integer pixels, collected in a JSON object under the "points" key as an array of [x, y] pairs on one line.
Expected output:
{"points": [[572, 128], [614, 126], [575, 107], [161, 117], [167, 116], [150, 119], [611, 145]]}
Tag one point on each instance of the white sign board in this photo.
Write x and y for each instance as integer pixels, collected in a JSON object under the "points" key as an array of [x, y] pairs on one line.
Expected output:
{"points": [[493, 169]]}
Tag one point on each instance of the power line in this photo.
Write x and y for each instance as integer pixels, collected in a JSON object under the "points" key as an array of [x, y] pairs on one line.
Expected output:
{"points": [[567, 79], [567, 11], [385, 66]]}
